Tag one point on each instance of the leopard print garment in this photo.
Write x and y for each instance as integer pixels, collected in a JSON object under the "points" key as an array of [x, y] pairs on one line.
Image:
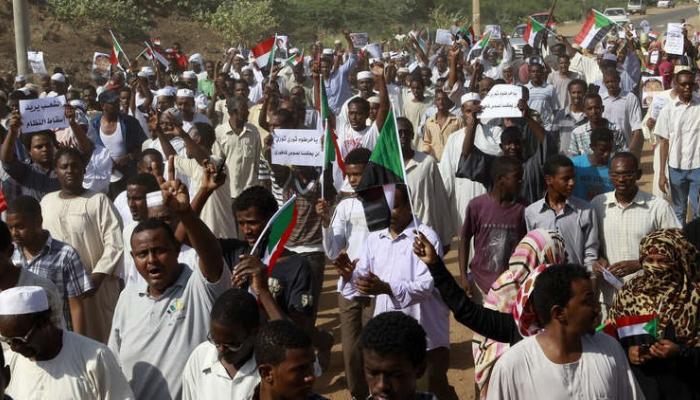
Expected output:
{"points": [[669, 286]]}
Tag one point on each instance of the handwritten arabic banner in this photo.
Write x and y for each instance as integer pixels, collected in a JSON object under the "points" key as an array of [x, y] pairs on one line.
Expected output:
{"points": [[502, 102], [41, 114], [297, 147]]}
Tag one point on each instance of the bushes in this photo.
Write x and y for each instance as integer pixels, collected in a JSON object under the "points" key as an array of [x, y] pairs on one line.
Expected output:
{"points": [[244, 21], [120, 15]]}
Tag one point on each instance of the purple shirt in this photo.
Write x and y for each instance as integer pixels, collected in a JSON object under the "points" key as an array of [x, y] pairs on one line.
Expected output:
{"points": [[496, 231]]}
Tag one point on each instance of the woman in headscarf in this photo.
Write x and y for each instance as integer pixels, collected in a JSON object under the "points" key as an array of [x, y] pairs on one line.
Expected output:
{"points": [[667, 360], [495, 320], [538, 247]]}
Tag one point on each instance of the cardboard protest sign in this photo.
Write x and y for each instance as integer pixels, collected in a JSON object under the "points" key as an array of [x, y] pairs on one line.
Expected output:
{"points": [[36, 61], [674, 39], [101, 64], [502, 102], [297, 147], [360, 39], [651, 85], [443, 36], [41, 114]]}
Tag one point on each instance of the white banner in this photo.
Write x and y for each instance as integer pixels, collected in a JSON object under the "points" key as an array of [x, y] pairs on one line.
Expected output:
{"points": [[502, 102], [443, 36], [674, 39], [41, 114], [36, 61], [297, 147]]}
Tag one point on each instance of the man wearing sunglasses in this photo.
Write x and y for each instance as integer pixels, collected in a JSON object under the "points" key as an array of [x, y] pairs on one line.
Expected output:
{"points": [[47, 362]]}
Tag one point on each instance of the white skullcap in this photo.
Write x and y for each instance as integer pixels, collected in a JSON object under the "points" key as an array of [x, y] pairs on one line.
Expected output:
{"points": [[189, 75], [78, 104], [20, 78], [293, 50], [364, 75], [327, 52], [23, 300], [167, 91], [58, 77], [471, 96], [148, 71], [373, 100], [185, 93], [246, 68], [196, 57], [402, 70]]}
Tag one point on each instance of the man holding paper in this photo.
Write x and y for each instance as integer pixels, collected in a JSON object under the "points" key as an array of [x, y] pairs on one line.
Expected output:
{"points": [[625, 216]]}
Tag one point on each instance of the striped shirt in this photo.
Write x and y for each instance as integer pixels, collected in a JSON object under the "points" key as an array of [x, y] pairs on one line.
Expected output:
{"points": [[59, 263], [581, 139], [564, 123]]}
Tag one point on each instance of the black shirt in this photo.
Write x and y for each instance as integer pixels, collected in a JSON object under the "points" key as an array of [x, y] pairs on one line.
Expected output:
{"points": [[291, 280]]}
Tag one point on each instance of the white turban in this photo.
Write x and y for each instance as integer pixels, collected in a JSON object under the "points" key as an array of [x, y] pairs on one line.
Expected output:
{"points": [[185, 93]]}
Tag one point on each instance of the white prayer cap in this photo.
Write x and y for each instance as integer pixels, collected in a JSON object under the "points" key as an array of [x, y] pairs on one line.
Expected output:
{"points": [[148, 71], [364, 75], [185, 93], [58, 77], [23, 300], [196, 57], [78, 104], [189, 75], [20, 78], [168, 91], [327, 52], [246, 68], [293, 50], [402, 70], [471, 96], [373, 100]]}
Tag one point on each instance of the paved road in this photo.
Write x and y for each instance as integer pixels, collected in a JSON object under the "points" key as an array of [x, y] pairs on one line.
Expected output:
{"points": [[658, 21]]}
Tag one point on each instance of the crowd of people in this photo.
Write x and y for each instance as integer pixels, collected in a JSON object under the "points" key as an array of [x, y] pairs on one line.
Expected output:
{"points": [[130, 256]]}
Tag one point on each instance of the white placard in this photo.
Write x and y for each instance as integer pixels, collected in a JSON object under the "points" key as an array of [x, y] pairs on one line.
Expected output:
{"points": [[375, 50], [657, 104], [40, 114], [674, 39], [502, 102], [36, 61], [443, 36], [297, 147], [359, 39], [495, 31], [653, 57], [101, 64]]}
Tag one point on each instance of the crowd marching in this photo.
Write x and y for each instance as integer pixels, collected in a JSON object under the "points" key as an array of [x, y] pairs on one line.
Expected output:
{"points": [[153, 247]]}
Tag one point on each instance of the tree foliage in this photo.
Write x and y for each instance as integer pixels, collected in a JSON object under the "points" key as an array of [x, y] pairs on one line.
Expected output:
{"points": [[244, 21], [120, 15]]}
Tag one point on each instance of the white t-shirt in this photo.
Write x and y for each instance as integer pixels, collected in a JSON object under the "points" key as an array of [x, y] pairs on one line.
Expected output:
{"points": [[350, 139], [114, 142], [524, 372]]}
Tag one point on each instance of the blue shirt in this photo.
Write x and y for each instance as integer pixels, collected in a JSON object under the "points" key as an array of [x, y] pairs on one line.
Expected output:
{"points": [[338, 87], [590, 180]]}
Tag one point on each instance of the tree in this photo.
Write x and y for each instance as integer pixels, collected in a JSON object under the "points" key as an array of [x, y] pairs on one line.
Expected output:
{"points": [[244, 21]]}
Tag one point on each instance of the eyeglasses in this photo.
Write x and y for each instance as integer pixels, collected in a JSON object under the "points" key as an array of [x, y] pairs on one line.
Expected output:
{"points": [[226, 346], [18, 340]]}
